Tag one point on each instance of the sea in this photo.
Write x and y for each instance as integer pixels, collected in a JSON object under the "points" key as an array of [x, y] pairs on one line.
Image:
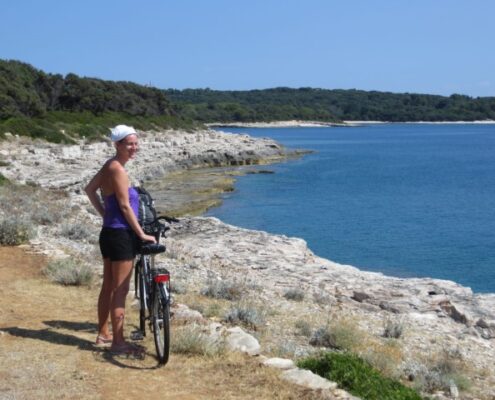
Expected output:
{"points": [[407, 200]]}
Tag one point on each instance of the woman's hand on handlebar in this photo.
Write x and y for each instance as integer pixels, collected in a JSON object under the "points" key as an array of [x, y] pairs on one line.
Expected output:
{"points": [[148, 238]]}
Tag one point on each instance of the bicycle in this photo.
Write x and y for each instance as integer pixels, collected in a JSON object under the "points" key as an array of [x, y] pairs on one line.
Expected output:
{"points": [[152, 288]]}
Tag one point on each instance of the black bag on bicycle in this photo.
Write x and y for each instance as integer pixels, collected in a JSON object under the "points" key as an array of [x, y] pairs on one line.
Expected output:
{"points": [[147, 211]]}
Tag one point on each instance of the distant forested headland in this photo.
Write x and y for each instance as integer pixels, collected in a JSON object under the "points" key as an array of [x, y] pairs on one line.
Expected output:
{"points": [[62, 108], [309, 104]]}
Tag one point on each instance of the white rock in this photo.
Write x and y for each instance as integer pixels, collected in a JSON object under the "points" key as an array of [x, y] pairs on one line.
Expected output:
{"points": [[280, 363], [307, 379], [238, 340], [183, 314]]}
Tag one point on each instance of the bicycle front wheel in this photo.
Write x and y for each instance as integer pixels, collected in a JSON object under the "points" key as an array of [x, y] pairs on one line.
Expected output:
{"points": [[161, 324]]}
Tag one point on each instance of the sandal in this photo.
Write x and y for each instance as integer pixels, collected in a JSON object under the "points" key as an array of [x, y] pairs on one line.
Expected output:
{"points": [[103, 341], [127, 350]]}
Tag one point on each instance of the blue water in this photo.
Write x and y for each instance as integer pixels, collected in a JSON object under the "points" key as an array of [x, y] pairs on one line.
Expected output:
{"points": [[408, 200]]}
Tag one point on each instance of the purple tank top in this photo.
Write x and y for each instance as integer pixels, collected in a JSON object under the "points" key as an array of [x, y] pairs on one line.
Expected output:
{"points": [[113, 217]]}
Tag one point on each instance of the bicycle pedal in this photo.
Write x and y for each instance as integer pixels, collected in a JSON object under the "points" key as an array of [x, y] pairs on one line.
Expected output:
{"points": [[137, 335]]}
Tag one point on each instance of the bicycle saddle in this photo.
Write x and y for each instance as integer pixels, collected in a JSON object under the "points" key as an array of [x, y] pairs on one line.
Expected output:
{"points": [[152, 248]]}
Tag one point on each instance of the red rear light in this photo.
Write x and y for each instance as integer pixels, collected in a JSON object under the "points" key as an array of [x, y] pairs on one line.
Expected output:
{"points": [[162, 278]]}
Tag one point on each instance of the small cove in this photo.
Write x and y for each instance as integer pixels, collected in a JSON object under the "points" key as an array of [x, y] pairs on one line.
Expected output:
{"points": [[403, 199]]}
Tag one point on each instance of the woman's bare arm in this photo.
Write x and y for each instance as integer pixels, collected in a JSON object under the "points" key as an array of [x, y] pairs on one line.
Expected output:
{"points": [[91, 191]]}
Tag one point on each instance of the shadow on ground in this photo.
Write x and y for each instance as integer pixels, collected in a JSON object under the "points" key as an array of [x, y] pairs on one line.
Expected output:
{"points": [[100, 353]]}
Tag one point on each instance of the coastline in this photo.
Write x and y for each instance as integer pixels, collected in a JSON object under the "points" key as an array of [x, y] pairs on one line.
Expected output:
{"points": [[319, 124], [438, 313]]}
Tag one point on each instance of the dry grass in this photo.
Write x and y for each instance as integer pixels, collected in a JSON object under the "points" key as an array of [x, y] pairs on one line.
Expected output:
{"points": [[338, 333], [47, 351], [191, 340], [69, 271], [224, 289]]}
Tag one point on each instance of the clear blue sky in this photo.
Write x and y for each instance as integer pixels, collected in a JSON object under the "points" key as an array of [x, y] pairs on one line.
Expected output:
{"points": [[422, 46]]}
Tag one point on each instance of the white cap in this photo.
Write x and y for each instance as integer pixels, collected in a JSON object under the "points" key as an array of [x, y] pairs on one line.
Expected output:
{"points": [[121, 131]]}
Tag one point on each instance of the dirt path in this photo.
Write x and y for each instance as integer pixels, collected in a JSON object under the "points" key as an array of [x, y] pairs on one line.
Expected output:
{"points": [[46, 350]]}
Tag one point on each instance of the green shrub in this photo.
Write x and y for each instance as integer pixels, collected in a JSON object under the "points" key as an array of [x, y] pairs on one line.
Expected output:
{"points": [[3, 180], [14, 231], [358, 377], [69, 272]]}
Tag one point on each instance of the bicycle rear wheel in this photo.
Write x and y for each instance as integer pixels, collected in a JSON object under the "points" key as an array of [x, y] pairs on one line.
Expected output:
{"points": [[136, 280], [161, 323]]}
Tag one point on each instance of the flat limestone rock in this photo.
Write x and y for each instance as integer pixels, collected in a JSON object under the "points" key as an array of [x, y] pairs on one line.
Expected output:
{"points": [[279, 363], [183, 314], [238, 340], [308, 379]]}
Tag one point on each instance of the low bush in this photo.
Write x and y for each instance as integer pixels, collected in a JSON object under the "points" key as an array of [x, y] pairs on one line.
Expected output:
{"points": [[23, 202], [440, 372], [77, 231], [191, 340], [393, 329], [358, 377], [384, 355], [71, 272], [339, 334], [212, 310], [294, 294], [3, 180], [219, 289], [178, 287], [247, 315], [14, 231], [303, 328], [322, 299]]}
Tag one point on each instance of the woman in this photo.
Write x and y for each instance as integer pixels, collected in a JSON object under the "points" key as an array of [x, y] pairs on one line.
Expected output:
{"points": [[118, 236]]}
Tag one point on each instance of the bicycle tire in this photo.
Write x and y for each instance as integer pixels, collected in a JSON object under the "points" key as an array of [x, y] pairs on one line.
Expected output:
{"points": [[142, 302], [136, 280], [161, 324]]}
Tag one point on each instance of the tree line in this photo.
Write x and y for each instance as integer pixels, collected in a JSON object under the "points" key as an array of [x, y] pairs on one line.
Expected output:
{"points": [[64, 108], [27, 91], [327, 105]]}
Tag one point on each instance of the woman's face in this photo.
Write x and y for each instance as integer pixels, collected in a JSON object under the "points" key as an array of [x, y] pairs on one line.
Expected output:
{"points": [[129, 146]]}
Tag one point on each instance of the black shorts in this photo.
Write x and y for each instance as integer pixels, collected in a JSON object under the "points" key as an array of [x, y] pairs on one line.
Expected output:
{"points": [[118, 244]]}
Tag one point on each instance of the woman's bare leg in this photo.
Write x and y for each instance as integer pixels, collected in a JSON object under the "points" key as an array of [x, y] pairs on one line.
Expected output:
{"points": [[121, 276], [104, 300]]}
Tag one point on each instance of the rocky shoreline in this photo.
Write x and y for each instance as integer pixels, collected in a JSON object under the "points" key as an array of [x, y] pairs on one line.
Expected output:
{"points": [[279, 124], [321, 124], [438, 316]]}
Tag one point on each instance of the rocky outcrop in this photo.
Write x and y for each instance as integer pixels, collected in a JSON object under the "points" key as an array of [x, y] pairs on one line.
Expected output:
{"points": [[69, 167], [287, 262], [437, 315]]}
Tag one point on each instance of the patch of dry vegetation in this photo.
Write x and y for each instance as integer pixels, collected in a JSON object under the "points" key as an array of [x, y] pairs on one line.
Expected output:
{"points": [[69, 271]]}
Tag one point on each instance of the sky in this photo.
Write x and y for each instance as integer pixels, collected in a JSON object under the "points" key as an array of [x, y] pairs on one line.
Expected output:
{"points": [[416, 46]]}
